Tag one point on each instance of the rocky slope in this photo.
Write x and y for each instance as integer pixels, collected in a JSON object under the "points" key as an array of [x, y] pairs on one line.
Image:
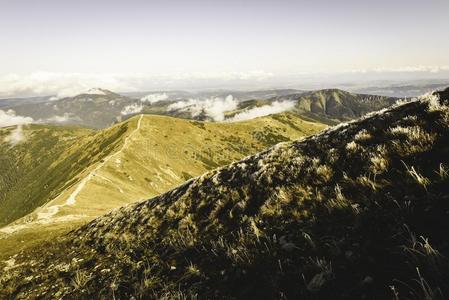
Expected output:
{"points": [[356, 212]]}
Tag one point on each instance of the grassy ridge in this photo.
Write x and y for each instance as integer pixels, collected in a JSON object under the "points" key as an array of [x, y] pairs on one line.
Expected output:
{"points": [[47, 162], [24, 183], [356, 212], [163, 153]]}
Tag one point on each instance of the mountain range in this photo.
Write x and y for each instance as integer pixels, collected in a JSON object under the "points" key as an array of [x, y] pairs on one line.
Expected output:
{"points": [[100, 108], [357, 211]]}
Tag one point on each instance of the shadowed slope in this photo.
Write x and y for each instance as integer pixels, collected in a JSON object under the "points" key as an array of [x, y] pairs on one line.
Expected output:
{"points": [[358, 211]]}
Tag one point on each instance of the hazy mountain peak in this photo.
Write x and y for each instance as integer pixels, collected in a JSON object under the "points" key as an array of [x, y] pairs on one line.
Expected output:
{"points": [[97, 91]]}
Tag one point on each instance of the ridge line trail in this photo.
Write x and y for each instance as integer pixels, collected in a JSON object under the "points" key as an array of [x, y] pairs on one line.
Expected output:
{"points": [[45, 213], [72, 198]]}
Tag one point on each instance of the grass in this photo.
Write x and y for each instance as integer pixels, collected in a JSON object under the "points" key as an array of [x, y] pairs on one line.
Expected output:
{"points": [[305, 219], [148, 166]]}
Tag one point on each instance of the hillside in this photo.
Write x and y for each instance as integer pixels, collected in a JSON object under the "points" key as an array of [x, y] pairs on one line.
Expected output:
{"points": [[148, 155], [99, 108], [96, 108], [339, 104], [45, 163], [358, 211], [330, 106]]}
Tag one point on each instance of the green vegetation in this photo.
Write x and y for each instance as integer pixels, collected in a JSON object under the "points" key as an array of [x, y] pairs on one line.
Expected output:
{"points": [[329, 106], [22, 186], [46, 163], [335, 104], [97, 172], [356, 212]]}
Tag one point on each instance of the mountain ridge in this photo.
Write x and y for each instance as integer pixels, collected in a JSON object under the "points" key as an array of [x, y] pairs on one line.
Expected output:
{"points": [[251, 229], [101, 108], [160, 155]]}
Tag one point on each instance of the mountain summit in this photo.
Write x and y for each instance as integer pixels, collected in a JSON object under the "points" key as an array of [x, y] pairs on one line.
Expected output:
{"points": [[358, 211], [97, 91]]}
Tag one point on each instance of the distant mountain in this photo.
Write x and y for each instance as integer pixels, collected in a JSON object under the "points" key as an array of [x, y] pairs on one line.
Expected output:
{"points": [[342, 105], [358, 211], [95, 108], [11, 102], [99, 108], [329, 106], [241, 95], [411, 89]]}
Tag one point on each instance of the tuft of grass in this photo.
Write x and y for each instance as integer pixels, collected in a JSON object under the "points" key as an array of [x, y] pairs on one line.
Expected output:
{"points": [[80, 280], [417, 177]]}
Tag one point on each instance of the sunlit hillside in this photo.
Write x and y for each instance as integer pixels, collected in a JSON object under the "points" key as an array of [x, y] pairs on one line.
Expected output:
{"points": [[131, 161], [358, 211]]}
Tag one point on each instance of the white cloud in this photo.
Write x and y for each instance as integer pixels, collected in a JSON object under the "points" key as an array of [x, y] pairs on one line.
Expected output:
{"points": [[62, 118], [59, 84], [212, 107], [153, 98], [94, 91], [273, 108], [403, 69], [132, 109], [256, 75], [62, 85], [9, 118], [16, 136]]}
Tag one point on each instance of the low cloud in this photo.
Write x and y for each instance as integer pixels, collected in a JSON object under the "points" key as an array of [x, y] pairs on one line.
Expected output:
{"points": [[132, 109], [214, 108], [153, 98], [59, 84], [273, 108], [66, 117], [9, 118], [62, 85], [16, 136]]}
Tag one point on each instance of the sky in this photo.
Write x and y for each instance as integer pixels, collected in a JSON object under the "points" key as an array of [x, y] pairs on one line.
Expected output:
{"points": [[48, 45]]}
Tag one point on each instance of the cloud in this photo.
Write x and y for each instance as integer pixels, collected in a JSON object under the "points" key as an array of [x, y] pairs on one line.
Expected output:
{"points": [[62, 118], [59, 84], [273, 108], [214, 108], [9, 118], [256, 75], [132, 109], [153, 98], [62, 85], [16, 136], [403, 69]]}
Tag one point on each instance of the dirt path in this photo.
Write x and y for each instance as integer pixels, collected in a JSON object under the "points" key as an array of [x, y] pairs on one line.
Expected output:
{"points": [[71, 200], [49, 211]]}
